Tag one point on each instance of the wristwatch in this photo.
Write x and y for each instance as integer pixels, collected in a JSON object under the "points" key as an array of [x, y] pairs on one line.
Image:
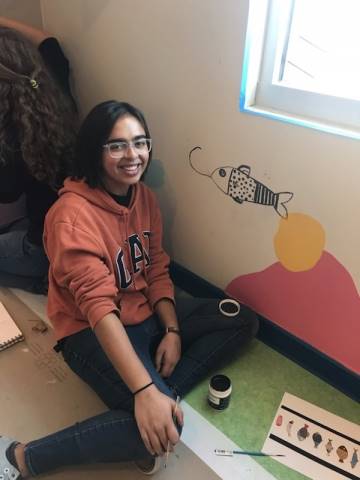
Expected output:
{"points": [[172, 330]]}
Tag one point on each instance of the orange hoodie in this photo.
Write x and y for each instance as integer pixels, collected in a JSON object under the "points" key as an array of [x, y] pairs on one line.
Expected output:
{"points": [[104, 257]]}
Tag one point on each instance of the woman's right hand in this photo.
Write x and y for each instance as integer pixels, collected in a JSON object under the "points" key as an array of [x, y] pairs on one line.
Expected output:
{"points": [[154, 417], [153, 410]]}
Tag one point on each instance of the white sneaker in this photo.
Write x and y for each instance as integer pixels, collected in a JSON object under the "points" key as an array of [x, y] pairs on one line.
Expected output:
{"points": [[150, 465], [7, 471]]}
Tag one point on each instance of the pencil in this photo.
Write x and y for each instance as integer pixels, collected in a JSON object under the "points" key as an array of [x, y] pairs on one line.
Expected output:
{"points": [[168, 443], [230, 453]]}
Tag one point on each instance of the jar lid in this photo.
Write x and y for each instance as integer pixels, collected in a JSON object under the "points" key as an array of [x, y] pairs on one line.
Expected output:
{"points": [[220, 383]]}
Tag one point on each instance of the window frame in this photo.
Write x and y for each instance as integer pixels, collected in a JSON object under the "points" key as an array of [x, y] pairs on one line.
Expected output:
{"points": [[262, 95]]}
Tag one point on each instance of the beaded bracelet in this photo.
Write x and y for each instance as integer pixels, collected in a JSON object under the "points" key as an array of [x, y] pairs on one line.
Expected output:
{"points": [[143, 388]]}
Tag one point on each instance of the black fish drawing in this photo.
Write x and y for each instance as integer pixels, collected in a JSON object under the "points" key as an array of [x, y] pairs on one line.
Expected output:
{"points": [[303, 433], [237, 183], [317, 439]]}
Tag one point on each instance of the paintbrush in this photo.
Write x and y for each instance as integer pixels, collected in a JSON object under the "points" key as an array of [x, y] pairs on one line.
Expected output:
{"points": [[230, 453], [174, 419]]}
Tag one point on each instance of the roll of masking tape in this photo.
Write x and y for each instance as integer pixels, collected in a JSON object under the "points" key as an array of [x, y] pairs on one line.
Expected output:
{"points": [[229, 307]]}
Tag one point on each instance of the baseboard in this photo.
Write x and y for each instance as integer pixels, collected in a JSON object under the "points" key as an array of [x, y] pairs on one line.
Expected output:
{"points": [[277, 338]]}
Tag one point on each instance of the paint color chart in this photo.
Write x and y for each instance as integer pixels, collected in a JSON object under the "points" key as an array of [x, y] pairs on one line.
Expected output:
{"points": [[315, 442]]}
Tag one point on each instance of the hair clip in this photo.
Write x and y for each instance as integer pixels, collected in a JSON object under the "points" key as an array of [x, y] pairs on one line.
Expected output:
{"points": [[34, 83]]}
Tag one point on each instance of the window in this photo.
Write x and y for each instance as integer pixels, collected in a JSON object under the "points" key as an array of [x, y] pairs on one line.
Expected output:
{"points": [[302, 63]]}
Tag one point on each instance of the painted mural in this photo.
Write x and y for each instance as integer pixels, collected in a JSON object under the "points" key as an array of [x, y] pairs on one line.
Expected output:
{"points": [[308, 292], [241, 187]]}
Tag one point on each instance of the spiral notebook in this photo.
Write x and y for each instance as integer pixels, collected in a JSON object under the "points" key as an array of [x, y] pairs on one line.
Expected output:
{"points": [[9, 331]]}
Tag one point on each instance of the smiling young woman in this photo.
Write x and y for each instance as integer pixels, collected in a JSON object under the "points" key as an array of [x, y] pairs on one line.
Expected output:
{"points": [[111, 302]]}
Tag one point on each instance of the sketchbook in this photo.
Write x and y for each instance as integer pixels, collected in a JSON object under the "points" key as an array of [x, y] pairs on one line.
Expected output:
{"points": [[9, 331]]}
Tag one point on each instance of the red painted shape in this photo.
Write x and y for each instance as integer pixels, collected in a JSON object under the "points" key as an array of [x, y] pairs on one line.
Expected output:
{"points": [[320, 306], [279, 420]]}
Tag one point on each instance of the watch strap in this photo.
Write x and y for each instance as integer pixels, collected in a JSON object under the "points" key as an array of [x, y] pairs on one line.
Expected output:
{"points": [[172, 330]]}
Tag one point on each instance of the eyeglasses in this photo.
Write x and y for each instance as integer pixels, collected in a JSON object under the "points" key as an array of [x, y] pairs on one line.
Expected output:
{"points": [[118, 149]]}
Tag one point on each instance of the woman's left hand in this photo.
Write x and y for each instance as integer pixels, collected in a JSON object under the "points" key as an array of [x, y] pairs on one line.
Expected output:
{"points": [[168, 354]]}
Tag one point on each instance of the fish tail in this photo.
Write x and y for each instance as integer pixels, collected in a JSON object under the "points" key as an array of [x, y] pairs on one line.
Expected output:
{"points": [[279, 205]]}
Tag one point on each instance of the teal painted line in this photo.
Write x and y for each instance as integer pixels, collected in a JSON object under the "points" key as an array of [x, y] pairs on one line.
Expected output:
{"points": [[245, 70], [303, 123]]}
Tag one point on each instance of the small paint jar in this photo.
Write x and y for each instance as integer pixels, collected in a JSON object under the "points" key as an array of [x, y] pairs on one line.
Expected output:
{"points": [[219, 392]]}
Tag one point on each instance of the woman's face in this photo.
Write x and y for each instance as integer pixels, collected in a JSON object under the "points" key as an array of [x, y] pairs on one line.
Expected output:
{"points": [[120, 173]]}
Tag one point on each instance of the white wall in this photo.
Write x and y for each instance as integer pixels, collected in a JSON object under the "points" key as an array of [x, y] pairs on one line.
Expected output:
{"points": [[180, 61], [24, 10]]}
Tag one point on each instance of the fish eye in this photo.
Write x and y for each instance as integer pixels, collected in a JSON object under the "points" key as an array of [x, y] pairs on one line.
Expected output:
{"points": [[222, 172]]}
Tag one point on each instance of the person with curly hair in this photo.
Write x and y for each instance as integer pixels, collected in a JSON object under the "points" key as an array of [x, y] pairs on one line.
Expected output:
{"points": [[37, 134]]}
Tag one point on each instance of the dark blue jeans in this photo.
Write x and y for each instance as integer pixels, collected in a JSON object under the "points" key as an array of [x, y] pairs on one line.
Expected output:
{"points": [[208, 339], [22, 263]]}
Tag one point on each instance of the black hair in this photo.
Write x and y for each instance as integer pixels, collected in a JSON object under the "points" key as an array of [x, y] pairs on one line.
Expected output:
{"points": [[94, 133]]}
